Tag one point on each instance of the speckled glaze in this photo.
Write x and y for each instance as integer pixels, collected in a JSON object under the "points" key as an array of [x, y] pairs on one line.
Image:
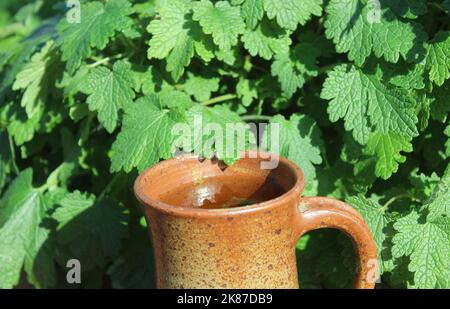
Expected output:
{"points": [[242, 247]]}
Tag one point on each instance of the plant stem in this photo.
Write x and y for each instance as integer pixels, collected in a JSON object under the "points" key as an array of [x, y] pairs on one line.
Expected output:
{"points": [[52, 179], [105, 60], [43, 188], [256, 117], [13, 154], [222, 98], [126, 41], [392, 200], [322, 70], [438, 6], [327, 68], [389, 202]]}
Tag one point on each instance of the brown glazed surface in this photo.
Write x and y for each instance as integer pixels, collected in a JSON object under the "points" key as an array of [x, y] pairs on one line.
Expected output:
{"points": [[241, 247]]}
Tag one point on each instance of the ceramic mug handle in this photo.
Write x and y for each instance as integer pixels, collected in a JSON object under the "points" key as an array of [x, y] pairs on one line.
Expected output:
{"points": [[321, 212]]}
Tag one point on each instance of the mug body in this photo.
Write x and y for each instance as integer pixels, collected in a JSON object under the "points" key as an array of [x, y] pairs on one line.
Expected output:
{"points": [[241, 247]]}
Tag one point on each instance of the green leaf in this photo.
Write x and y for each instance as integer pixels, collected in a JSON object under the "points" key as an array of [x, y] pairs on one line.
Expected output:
{"points": [[37, 78], [447, 144], [221, 20], [22, 53], [292, 67], [88, 228], [376, 218], [245, 90], [43, 119], [175, 37], [204, 124], [22, 127], [387, 148], [428, 246], [22, 211], [408, 8], [133, 269], [99, 23], [362, 29], [145, 136], [5, 158], [150, 80], [438, 59], [362, 165], [109, 92], [252, 11], [364, 102], [71, 84], [423, 185], [403, 75], [299, 141], [438, 204], [290, 13], [201, 87], [440, 108], [265, 41]]}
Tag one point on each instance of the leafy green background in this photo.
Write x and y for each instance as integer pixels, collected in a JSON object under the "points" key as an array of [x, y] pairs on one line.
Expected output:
{"points": [[360, 89]]}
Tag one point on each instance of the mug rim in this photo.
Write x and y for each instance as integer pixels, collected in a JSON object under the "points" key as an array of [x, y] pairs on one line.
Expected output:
{"points": [[150, 202]]}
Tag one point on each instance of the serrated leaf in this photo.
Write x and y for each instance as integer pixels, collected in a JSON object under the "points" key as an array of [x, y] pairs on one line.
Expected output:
{"points": [[37, 77], [150, 80], [363, 101], [90, 228], [43, 119], [217, 131], [145, 136], [22, 211], [175, 37], [5, 158], [98, 24], [299, 141], [265, 41], [428, 246], [438, 204], [362, 29], [245, 90], [423, 185], [252, 11], [71, 83], [292, 67], [290, 13], [27, 47], [387, 148], [438, 58], [440, 108], [201, 87], [221, 20], [21, 126], [376, 218], [363, 165], [109, 92], [408, 8], [403, 75]]}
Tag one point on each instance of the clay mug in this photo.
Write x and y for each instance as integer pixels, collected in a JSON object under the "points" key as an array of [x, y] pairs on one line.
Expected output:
{"points": [[241, 247]]}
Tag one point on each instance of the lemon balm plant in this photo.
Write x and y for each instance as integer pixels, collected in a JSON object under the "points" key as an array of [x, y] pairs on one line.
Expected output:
{"points": [[359, 90]]}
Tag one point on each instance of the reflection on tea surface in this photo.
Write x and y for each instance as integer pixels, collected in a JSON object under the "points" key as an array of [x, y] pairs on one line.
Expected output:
{"points": [[216, 192]]}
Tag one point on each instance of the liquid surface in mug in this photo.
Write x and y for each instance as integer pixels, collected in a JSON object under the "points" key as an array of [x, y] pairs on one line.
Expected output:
{"points": [[213, 193]]}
